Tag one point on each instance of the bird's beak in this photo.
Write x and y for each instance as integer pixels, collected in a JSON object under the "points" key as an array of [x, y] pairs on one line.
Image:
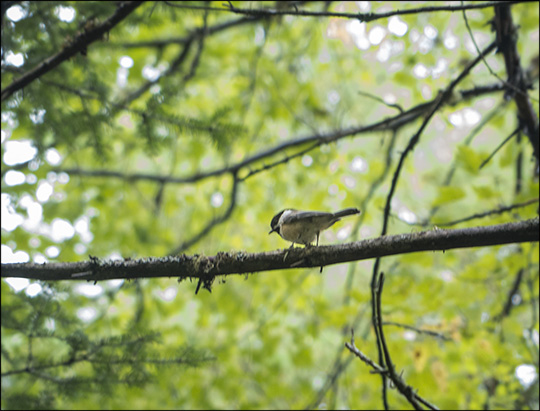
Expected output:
{"points": [[272, 230]]}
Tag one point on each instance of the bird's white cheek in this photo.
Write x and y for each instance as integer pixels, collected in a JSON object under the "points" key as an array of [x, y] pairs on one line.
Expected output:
{"points": [[284, 215]]}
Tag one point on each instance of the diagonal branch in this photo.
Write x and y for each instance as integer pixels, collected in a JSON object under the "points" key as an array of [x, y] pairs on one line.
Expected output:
{"points": [[375, 276], [317, 139], [406, 390], [445, 95], [506, 140], [83, 39], [212, 223]]}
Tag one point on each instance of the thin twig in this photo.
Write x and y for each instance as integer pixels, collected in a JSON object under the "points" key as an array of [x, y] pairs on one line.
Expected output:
{"points": [[468, 140], [506, 140], [212, 223], [506, 84], [406, 390], [509, 304], [380, 100], [419, 330], [498, 210]]}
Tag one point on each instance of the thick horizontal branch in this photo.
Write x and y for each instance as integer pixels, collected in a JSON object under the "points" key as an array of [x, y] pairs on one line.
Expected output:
{"points": [[224, 263]]}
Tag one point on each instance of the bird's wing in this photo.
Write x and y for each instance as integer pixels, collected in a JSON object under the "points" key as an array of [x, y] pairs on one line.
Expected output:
{"points": [[306, 216]]}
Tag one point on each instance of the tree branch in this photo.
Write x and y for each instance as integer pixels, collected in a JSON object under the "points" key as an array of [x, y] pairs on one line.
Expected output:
{"points": [[224, 263], [439, 101], [212, 223], [81, 42], [194, 33], [506, 43], [498, 210], [403, 388], [318, 139], [363, 17], [376, 277], [419, 330]]}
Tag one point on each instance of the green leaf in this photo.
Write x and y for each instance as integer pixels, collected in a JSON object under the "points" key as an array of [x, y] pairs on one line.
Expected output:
{"points": [[448, 195], [469, 159]]}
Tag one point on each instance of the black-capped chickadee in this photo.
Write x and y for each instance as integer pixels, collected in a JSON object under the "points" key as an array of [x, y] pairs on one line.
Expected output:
{"points": [[303, 227]]}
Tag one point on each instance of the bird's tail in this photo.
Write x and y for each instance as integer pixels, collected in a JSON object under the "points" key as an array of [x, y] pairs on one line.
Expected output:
{"points": [[346, 212]]}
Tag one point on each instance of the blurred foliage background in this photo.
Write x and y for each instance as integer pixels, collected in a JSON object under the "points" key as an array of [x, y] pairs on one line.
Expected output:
{"points": [[109, 155]]}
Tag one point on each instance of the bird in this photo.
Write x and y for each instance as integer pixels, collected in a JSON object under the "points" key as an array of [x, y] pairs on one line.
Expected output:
{"points": [[304, 227]]}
